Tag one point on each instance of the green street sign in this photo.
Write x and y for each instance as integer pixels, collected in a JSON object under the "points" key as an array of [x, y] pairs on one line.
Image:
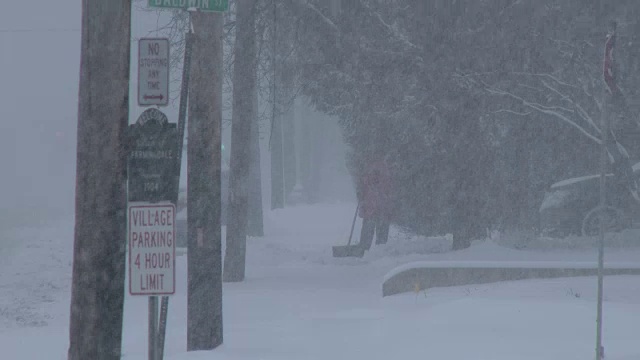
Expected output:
{"points": [[201, 5]]}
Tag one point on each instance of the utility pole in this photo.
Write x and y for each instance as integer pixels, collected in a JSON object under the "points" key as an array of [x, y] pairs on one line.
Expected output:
{"points": [[204, 299], [244, 84], [97, 293]]}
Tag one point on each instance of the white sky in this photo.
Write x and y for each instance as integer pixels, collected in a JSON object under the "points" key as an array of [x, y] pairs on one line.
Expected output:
{"points": [[38, 103], [39, 67]]}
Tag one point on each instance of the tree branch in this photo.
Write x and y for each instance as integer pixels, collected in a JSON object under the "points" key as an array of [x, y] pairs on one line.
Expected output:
{"points": [[543, 109]]}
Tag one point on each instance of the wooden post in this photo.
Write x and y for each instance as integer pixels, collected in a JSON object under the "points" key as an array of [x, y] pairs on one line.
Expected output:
{"points": [[97, 294], [204, 299]]}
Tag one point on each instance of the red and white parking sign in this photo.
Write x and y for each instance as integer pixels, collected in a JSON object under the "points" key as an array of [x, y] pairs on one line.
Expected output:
{"points": [[152, 249]]}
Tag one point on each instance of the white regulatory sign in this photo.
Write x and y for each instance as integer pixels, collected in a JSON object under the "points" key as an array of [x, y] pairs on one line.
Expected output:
{"points": [[152, 249], [153, 72]]}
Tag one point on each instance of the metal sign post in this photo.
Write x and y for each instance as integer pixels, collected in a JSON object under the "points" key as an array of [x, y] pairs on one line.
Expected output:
{"points": [[153, 328], [152, 182], [611, 86], [603, 201]]}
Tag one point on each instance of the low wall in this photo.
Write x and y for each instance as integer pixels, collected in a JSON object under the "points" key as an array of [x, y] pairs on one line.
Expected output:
{"points": [[427, 275]]}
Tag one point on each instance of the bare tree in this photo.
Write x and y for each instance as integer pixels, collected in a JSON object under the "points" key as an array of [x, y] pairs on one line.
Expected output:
{"points": [[255, 222]]}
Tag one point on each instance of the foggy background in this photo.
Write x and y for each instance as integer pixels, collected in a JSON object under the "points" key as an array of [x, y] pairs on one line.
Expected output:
{"points": [[39, 62], [39, 70]]}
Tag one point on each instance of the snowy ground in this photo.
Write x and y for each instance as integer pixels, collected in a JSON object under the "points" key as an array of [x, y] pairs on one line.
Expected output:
{"points": [[299, 303]]}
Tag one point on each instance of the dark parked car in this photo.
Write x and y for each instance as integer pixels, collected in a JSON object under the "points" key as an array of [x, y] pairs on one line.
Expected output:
{"points": [[572, 206]]}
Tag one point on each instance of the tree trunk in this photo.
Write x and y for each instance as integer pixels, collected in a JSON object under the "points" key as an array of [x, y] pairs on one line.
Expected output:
{"points": [[522, 174], [244, 83], [305, 146], [97, 294], [317, 160], [255, 226], [288, 120], [204, 299], [277, 163], [461, 222], [283, 172]]}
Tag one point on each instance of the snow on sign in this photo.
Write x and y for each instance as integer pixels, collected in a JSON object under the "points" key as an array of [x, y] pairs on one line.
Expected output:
{"points": [[152, 249], [153, 72]]}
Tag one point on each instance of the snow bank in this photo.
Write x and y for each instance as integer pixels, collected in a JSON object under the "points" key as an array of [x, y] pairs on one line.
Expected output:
{"points": [[297, 302], [506, 265]]}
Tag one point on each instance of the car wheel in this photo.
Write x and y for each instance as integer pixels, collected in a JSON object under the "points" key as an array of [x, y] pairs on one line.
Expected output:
{"points": [[614, 220]]}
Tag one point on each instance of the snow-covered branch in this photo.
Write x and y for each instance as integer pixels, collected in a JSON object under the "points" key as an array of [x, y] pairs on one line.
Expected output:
{"points": [[322, 16], [552, 111], [513, 112], [392, 29], [580, 111]]}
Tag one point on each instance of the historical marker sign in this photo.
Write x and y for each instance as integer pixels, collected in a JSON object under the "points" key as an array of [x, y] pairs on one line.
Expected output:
{"points": [[152, 249], [201, 5], [153, 158], [153, 72]]}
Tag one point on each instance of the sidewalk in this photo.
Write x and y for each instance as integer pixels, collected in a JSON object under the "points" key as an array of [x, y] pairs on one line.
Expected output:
{"points": [[298, 302]]}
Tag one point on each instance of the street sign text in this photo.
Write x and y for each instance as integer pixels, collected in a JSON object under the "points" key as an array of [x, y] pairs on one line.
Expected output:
{"points": [[152, 249], [152, 166], [153, 72]]}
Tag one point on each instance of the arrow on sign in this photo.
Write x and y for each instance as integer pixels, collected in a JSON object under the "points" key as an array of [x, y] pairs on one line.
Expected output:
{"points": [[154, 97]]}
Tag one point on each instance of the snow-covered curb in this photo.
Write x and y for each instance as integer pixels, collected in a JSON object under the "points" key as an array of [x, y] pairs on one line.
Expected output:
{"points": [[508, 265], [424, 275]]}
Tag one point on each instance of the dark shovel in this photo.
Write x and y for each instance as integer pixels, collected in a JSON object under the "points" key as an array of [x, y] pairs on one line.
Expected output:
{"points": [[349, 250]]}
